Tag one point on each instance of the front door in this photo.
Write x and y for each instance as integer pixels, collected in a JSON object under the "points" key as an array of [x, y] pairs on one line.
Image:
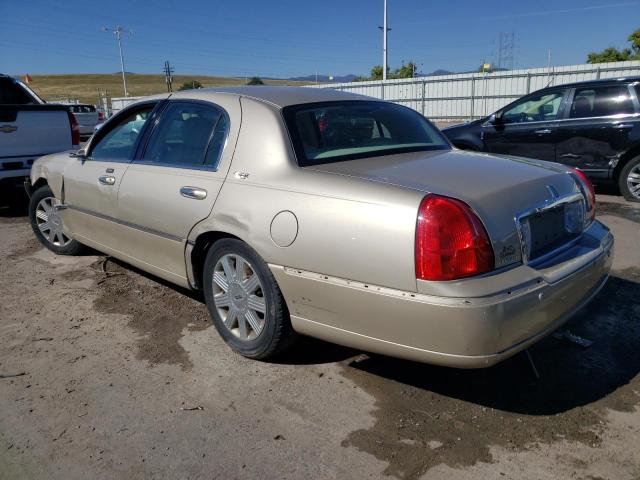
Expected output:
{"points": [[597, 129], [175, 181], [527, 127], [91, 184]]}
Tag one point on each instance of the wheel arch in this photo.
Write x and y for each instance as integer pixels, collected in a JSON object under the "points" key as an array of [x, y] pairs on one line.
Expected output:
{"points": [[624, 159], [197, 252], [40, 182]]}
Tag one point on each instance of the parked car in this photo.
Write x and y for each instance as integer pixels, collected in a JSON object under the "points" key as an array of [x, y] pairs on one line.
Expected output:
{"points": [[329, 214], [88, 117], [29, 128], [592, 125]]}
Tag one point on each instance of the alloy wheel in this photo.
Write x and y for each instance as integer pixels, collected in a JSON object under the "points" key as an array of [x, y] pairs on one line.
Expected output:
{"points": [[239, 297], [633, 181], [50, 223]]}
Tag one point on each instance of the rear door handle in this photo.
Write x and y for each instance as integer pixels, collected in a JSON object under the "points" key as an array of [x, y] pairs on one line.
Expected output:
{"points": [[193, 192], [107, 180], [623, 126], [543, 131], [570, 155]]}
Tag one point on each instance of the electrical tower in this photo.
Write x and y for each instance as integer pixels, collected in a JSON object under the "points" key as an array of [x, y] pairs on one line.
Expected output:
{"points": [[506, 46], [168, 72]]}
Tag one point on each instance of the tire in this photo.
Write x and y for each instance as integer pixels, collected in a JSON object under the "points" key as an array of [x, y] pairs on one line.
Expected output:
{"points": [[629, 178], [257, 303], [41, 212]]}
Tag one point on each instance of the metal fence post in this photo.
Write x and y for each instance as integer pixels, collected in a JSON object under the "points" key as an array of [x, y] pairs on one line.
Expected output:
{"points": [[424, 91], [598, 73], [473, 96], [528, 82], [382, 89]]}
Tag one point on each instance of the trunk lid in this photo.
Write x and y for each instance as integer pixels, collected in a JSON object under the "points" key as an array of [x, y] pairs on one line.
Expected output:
{"points": [[498, 188]]}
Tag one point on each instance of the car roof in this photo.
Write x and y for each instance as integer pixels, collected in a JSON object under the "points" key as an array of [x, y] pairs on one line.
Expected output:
{"points": [[586, 83], [279, 96]]}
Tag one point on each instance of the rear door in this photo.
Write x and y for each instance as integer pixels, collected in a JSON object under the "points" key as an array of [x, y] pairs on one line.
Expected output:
{"points": [[527, 127], [598, 127], [174, 182], [91, 184]]}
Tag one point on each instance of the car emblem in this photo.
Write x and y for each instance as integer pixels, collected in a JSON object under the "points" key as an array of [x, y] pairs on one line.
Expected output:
{"points": [[8, 129], [553, 192]]}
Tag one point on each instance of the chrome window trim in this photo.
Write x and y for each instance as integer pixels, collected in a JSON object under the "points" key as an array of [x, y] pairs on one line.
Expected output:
{"points": [[210, 168], [548, 205], [619, 116]]}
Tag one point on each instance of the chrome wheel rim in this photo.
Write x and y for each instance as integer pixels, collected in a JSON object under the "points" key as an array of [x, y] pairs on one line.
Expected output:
{"points": [[50, 223], [633, 181], [239, 297]]}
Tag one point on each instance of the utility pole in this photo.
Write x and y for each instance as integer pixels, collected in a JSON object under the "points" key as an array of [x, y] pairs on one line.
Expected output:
{"points": [[168, 78], [384, 29], [118, 31]]}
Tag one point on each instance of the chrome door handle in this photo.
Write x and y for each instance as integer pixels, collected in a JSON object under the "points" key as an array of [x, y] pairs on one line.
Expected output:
{"points": [[570, 155], [107, 180], [623, 126], [193, 192], [543, 131]]}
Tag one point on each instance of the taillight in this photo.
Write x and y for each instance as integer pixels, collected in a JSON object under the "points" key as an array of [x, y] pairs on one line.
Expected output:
{"points": [[75, 129], [587, 190], [451, 242], [100, 116]]}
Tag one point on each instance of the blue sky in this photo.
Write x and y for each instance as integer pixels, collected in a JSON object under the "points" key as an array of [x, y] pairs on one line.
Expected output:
{"points": [[293, 37]]}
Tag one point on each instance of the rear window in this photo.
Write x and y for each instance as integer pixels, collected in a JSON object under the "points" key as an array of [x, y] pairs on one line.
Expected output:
{"points": [[82, 108], [11, 93], [601, 101], [346, 130]]}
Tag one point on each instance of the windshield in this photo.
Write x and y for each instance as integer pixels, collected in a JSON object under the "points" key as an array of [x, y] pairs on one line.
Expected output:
{"points": [[346, 130]]}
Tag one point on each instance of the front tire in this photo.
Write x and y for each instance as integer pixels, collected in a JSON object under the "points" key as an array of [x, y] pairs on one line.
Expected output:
{"points": [[629, 180], [47, 224], [245, 302]]}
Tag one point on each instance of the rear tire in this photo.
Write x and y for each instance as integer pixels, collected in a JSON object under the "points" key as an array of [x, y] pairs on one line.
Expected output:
{"points": [[47, 224], [629, 180], [245, 302]]}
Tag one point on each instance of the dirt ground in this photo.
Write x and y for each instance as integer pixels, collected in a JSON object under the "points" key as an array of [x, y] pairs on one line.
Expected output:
{"points": [[120, 375]]}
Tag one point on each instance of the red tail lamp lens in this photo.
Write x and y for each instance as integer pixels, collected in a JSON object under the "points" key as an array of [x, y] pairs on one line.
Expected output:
{"points": [[451, 242], [588, 191]]}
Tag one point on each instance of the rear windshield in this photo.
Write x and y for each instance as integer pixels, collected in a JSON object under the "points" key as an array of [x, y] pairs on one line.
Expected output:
{"points": [[83, 108], [346, 130]]}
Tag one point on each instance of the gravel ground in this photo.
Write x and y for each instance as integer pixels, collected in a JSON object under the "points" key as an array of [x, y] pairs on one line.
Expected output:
{"points": [[122, 376]]}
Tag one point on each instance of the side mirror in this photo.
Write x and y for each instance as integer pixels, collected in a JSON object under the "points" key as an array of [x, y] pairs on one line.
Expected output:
{"points": [[81, 154], [495, 118]]}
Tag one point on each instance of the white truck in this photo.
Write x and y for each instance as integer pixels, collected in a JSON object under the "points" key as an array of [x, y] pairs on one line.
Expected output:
{"points": [[29, 128]]}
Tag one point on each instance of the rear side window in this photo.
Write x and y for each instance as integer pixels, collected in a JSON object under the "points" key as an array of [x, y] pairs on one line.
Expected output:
{"points": [[601, 101], [346, 130], [189, 134], [11, 93]]}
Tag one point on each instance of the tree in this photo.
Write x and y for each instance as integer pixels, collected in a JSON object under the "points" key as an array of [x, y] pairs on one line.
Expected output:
{"points": [[255, 81], [612, 54], [376, 73], [405, 71], [193, 84]]}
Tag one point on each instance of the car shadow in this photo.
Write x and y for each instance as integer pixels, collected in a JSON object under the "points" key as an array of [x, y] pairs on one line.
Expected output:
{"points": [[14, 204], [570, 375]]}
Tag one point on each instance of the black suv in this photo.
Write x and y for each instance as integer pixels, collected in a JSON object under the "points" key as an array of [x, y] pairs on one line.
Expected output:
{"points": [[594, 126]]}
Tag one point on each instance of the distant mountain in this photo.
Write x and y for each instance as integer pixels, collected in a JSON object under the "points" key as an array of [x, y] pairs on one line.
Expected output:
{"points": [[325, 78]]}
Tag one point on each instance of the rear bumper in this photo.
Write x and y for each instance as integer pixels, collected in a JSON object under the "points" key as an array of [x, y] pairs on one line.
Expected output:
{"points": [[464, 332]]}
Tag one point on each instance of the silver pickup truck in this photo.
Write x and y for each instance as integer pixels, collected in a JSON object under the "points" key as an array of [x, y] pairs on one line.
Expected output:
{"points": [[29, 128]]}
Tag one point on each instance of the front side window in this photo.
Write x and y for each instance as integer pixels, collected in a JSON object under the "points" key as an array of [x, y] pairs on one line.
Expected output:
{"points": [[117, 143], [189, 134], [601, 101], [542, 107], [346, 130]]}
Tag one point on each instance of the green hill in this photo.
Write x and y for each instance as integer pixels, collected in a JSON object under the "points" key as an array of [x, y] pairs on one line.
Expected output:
{"points": [[87, 87]]}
